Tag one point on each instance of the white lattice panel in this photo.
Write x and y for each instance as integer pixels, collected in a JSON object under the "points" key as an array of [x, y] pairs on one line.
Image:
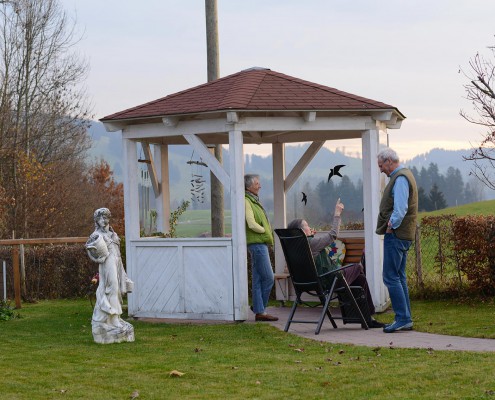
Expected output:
{"points": [[174, 278]]}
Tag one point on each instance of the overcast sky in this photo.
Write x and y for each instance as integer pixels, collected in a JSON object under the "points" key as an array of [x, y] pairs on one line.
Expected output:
{"points": [[404, 53]]}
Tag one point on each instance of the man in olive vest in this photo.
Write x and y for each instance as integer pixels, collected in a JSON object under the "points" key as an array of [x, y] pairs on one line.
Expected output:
{"points": [[397, 221], [259, 236]]}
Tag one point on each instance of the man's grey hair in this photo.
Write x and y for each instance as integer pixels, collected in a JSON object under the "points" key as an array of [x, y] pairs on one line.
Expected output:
{"points": [[295, 224], [388, 154], [249, 180]]}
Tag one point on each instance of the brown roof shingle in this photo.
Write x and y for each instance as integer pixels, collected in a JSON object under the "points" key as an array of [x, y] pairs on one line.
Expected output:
{"points": [[253, 89]]}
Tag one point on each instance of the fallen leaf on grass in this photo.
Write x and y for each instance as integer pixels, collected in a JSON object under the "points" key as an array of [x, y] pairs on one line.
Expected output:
{"points": [[197, 350], [299, 350], [176, 374], [134, 394], [258, 382]]}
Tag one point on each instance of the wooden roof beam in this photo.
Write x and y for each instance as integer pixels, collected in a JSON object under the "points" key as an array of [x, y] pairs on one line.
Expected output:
{"points": [[309, 116], [151, 168]]}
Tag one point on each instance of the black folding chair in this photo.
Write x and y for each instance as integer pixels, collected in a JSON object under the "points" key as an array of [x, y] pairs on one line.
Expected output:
{"points": [[305, 279]]}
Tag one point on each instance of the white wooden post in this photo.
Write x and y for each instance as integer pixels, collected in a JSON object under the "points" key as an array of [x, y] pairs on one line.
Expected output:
{"points": [[280, 219], [239, 250], [131, 209], [163, 200], [372, 197]]}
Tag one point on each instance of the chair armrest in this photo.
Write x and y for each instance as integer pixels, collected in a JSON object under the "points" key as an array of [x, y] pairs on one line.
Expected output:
{"points": [[335, 270]]}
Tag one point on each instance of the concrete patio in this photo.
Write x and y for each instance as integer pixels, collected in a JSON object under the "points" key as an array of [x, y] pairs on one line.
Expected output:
{"points": [[353, 334]]}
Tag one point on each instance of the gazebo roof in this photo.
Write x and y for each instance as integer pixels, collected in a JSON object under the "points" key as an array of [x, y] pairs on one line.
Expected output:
{"points": [[254, 89]]}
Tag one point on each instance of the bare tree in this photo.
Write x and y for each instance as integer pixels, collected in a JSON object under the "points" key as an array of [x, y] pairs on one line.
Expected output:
{"points": [[480, 91], [43, 107]]}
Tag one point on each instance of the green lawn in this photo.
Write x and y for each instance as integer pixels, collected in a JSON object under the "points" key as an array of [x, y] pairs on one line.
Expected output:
{"points": [[195, 222], [486, 207], [49, 354]]}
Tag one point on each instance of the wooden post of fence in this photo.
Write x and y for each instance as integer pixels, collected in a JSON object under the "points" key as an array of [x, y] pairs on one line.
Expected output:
{"points": [[17, 276], [419, 263], [23, 272]]}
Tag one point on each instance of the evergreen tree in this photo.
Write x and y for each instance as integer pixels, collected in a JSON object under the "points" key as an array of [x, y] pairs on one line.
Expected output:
{"points": [[326, 193], [424, 203], [424, 179], [454, 187], [436, 198]]}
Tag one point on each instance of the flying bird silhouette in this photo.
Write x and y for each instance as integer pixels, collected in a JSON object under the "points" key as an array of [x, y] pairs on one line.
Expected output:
{"points": [[335, 171], [305, 199]]}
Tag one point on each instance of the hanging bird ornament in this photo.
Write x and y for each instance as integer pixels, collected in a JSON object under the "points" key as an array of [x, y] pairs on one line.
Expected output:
{"points": [[335, 171], [304, 198], [197, 181]]}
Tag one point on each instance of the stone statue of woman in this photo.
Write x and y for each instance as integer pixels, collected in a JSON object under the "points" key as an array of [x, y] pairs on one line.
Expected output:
{"points": [[103, 247]]}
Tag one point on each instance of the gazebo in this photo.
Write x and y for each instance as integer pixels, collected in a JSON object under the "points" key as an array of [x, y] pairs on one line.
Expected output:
{"points": [[206, 278]]}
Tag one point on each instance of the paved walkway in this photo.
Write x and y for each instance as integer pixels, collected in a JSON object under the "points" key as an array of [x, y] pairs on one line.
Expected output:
{"points": [[354, 334]]}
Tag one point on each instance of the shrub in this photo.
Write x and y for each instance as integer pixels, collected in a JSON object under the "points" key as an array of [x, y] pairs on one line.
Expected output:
{"points": [[53, 271], [475, 247], [7, 311]]}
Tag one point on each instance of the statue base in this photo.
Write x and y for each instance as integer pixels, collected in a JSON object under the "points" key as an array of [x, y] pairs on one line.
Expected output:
{"points": [[105, 334]]}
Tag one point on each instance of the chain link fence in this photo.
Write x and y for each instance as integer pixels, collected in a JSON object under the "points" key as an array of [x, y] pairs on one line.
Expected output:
{"points": [[439, 262], [451, 257]]}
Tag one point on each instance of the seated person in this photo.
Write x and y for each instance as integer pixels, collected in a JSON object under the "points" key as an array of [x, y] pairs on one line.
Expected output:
{"points": [[318, 241]]}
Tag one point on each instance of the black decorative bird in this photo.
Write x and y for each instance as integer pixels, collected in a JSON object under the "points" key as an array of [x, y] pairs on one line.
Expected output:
{"points": [[305, 199], [335, 171]]}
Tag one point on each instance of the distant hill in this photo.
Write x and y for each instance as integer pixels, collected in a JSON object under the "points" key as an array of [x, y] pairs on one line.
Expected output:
{"points": [[107, 145], [444, 159]]}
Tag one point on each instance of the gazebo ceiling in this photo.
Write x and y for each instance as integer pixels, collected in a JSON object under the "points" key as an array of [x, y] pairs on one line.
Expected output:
{"points": [[266, 106]]}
